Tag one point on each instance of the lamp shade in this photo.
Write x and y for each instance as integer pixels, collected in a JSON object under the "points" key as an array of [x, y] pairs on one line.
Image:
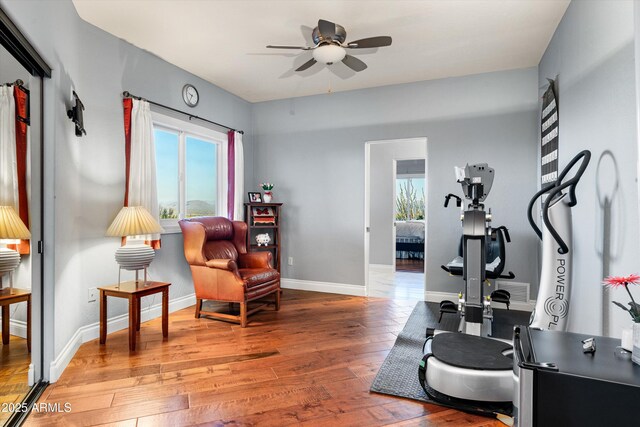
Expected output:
{"points": [[329, 53], [133, 221], [11, 226]]}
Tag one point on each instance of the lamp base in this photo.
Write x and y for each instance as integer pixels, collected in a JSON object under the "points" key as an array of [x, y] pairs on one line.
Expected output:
{"points": [[9, 260], [134, 257]]}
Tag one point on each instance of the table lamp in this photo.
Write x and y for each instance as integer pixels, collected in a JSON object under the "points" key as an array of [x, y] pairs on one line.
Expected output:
{"points": [[12, 230], [136, 222]]}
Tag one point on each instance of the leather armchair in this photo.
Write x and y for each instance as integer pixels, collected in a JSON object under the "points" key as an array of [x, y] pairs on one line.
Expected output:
{"points": [[222, 270]]}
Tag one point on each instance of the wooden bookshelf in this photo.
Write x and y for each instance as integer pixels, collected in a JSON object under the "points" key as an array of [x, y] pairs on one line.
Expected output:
{"points": [[273, 230]]}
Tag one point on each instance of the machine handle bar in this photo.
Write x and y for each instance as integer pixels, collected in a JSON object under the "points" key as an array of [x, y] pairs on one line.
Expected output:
{"points": [[505, 231], [585, 156], [449, 196], [553, 190]]}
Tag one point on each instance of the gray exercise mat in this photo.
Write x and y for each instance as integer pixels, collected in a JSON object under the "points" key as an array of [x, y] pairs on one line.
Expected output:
{"points": [[398, 375]]}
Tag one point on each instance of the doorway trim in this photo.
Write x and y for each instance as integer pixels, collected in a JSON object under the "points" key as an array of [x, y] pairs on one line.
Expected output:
{"points": [[367, 200]]}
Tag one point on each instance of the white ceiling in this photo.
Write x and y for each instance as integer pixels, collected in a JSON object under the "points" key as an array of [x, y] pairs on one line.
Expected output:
{"points": [[223, 41]]}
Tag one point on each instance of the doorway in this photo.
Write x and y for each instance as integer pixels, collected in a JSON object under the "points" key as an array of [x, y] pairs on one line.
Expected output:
{"points": [[395, 194], [409, 216]]}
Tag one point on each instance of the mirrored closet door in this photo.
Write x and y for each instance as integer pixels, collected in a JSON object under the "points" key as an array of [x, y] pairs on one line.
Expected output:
{"points": [[20, 224]]}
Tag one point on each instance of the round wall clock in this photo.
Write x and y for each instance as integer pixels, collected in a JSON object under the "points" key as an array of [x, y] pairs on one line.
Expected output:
{"points": [[190, 95]]}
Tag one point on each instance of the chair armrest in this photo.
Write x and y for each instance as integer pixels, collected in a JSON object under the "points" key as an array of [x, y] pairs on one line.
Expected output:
{"points": [[255, 260], [223, 264]]}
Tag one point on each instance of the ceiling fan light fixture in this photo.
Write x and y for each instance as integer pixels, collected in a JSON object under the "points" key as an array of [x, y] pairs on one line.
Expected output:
{"points": [[329, 53]]}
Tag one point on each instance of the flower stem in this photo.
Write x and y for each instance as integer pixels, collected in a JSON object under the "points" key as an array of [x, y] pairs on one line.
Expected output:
{"points": [[634, 312]]}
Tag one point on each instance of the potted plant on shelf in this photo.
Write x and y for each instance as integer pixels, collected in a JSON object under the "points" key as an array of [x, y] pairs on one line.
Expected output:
{"points": [[633, 310], [268, 195]]}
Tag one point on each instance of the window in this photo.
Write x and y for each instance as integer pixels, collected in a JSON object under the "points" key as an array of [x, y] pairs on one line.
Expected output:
{"points": [[191, 170], [410, 197]]}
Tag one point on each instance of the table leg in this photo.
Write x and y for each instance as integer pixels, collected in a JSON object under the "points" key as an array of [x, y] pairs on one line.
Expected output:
{"points": [[133, 309], [29, 324], [103, 317], [165, 312], [139, 305], [5, 324]]}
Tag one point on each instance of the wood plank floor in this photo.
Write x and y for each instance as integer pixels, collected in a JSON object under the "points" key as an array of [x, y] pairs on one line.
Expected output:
{"points": [[14, 370], [412, 265], [311, 363]]}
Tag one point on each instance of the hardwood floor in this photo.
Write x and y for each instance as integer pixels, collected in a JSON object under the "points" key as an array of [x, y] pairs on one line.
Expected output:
{"points": [[14, 369], [411, 265], [311, 363]]}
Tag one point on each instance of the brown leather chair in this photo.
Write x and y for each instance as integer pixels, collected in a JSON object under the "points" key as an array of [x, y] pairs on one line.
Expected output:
{"points": [[222, 270]]}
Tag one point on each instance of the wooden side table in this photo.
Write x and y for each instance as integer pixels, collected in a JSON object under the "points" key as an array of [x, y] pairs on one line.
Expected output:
{"points": [[10, 296], [133, 291]]}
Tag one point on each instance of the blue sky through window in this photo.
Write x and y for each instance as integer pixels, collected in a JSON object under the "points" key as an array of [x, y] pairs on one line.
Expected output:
{"points": [[167, 145], [200, 169]]}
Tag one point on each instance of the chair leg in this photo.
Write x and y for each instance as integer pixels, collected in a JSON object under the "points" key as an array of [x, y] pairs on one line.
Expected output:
{"points": [[198, 307], [277, 300], [243, 314]]}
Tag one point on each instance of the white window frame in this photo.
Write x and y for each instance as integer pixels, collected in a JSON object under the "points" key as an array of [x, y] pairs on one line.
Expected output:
{"points": [[184, 129]]}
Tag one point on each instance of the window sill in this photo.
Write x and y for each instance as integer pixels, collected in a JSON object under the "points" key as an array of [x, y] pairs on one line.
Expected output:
{"points": [[171, 229]]}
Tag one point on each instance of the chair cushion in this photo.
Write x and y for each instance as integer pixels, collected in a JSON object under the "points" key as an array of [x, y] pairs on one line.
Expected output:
{"points": [[215, 227], [220, 249], [257, 276]]}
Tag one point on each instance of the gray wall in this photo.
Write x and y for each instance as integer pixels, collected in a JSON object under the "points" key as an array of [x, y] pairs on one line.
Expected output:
{"points": [[381, 245], [592, 56], [313, 149], [85, 176]]}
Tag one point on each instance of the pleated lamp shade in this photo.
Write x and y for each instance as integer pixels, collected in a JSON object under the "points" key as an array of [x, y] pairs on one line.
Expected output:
{"points": [[11, 226], [133, 221]]}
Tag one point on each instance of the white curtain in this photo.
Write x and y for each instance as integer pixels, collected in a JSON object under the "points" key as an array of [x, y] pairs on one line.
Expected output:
{"points": [[238, 194], [143, 190], [8, 161]]}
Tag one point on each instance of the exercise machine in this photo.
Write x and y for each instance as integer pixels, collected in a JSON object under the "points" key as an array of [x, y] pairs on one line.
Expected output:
{"points": [[476, 373], [457, 368], [481, 253], [552, 305]]}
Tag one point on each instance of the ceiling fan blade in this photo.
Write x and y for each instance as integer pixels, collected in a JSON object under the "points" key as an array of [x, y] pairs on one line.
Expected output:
{"points": [[354, 63], [289, 47], [370, 42], [327, 29], [306, 65]]}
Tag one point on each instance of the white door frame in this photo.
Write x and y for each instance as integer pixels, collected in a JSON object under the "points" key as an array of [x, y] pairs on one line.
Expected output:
{"points": [[367, 201]]}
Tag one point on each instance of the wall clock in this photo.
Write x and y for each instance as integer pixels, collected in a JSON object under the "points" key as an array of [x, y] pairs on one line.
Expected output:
{"points": [[190, 95]]}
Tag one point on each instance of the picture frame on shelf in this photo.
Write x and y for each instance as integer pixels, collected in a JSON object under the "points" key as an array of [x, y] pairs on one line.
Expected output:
{"points": [[255, 197]]}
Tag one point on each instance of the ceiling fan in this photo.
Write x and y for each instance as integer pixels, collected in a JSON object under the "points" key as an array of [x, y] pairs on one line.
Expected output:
{"points": [[330, 46]]}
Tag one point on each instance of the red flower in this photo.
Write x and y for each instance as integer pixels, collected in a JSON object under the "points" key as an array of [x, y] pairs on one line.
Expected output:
{"points": [[616, 281]]}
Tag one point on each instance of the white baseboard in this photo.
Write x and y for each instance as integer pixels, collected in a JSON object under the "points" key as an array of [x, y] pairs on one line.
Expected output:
{"points": [[327, 287], [92, 331], [435, 296], [18, 328]]}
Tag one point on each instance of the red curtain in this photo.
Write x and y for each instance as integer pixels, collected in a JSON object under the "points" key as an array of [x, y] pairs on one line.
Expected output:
{"points": [[21, 97], [231, 173], [128, 105]]}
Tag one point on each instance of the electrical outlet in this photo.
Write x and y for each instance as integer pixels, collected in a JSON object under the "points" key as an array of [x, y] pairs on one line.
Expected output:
{"points": [[93, 295], [290, 260]]}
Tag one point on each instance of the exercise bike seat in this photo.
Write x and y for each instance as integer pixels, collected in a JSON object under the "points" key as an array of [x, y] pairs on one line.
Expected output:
{"points": [[495, 256]]}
